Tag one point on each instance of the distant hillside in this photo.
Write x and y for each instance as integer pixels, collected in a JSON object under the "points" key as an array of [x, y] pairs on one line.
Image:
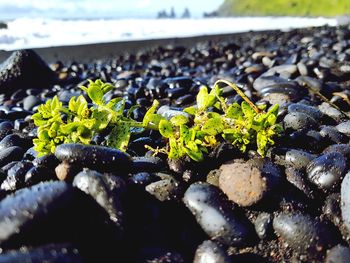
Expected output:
{"points": [[285, 7]]}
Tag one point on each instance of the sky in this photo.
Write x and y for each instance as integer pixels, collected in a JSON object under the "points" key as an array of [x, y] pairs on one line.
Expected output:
{"points": [[101, 8]]}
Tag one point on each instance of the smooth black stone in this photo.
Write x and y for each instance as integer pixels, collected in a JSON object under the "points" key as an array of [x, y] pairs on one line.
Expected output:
{"points": [[215, 215], [11, 140], [5, 128], [306, 235], [184, 100], [16, 176], [106, 190], [30, 101], [176, 92], [344, 127], [209, 251], [141, 179], [147, 164], [298, 121], [298, 159], [315, 113], [333, 135], [94, 157], [179, 82], [13, 153], [327, 170], [48, 160], [344, 149], [20, 124], [138, 145], [168, 188], [15, 115], [39, 174], [55, 212]]}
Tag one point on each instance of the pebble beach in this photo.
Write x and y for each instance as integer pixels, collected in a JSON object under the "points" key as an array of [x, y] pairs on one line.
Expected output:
{"points": [[92, 203]]}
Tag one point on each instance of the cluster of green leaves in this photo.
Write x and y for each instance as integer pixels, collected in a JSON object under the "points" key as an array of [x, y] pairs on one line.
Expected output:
{"points": [[192, 132], [214, 121], [79, 123]]}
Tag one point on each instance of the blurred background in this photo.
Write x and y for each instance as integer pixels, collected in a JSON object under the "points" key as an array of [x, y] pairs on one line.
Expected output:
{"points": [[44, 23]]}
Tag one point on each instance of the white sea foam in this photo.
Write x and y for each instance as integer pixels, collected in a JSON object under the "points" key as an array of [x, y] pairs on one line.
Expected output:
{"points": [[37, 32]]}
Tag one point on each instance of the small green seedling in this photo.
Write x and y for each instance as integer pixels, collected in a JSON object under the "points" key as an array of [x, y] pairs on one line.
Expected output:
{"points": [[241, 125]]}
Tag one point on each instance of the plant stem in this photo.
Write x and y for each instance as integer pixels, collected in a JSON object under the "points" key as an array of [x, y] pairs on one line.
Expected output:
{"points": [[240, 93]]}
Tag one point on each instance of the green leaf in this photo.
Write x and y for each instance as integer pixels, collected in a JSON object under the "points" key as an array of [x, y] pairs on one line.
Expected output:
{"points": [[68, 128], [247, 110], [190, 110], [234, 111], [55, 104], [119, 136], [176, 151], [96, 94], [202, 98], [43, 135], [261, 141], [273, 110], [165, 129], [155, 119], [150, 112], [185, 133], [179, 120], [111, 104], [213, 126], [271, 120], [194, 153]]}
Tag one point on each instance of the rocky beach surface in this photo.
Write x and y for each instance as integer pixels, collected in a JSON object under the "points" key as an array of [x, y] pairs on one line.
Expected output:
{"points": [[91, 203]]}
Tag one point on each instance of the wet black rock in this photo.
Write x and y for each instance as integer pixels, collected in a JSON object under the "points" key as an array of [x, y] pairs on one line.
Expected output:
{"points": [[13, 140], [315, 113], [298, 159], [333, 135], [24, 68], [344, 127], [30, 210], [305, 234], [94, 157], [106, 189], [39, 174], [147, 164], [215, 215], [31, 101], [263, 225], [299, 120], [13, 153], [168, 188], [210, 251], [53, 253], [338, 254], [5, 128], [48, 160], [16, 176], [345, 201], [297, 179], [327, 170]]}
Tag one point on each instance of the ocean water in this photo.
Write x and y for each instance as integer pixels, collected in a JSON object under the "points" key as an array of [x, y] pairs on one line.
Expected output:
{"points": [[43, 32]]}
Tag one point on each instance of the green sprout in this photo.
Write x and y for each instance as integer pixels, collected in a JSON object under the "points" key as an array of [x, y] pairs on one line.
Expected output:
{"points": [[210, 122]]}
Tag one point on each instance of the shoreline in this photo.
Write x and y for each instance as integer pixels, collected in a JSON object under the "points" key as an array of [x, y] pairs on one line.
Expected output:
{"points": [[86, 53]]}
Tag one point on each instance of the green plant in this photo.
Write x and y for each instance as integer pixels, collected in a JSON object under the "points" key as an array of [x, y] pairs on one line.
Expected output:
{"points": [[240, 125], [79, 123], [193, 132]]}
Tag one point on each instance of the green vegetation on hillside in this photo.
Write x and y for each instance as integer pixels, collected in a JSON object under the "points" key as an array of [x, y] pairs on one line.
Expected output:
{"points": [[285, 7]]}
